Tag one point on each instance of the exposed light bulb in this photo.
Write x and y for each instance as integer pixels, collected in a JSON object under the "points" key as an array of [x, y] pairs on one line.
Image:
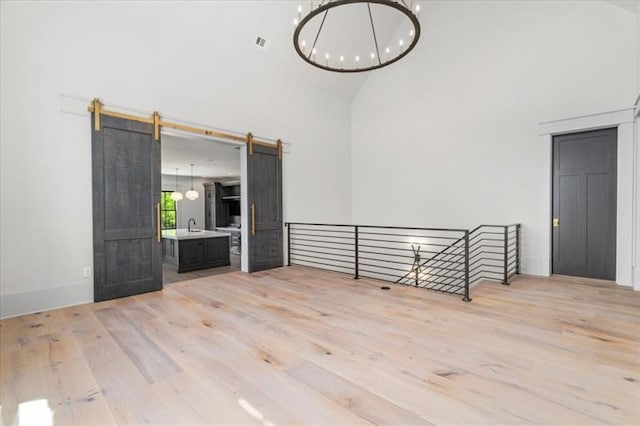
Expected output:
{"points": [[304, 46], [341, 58], [411, 33], [313, 51], [373, 55], [326, 55], [304, 43], [357, 58], [418, 10], [326, 58], [313, 54], [401, 43], [299, 12], [295, 22]]}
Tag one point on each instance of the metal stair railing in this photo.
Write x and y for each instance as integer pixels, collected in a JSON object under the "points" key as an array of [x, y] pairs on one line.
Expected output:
{"points": [[455, 258]]}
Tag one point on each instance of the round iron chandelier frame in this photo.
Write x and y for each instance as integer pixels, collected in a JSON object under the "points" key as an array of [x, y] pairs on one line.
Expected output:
{"points": [[332, 4]]}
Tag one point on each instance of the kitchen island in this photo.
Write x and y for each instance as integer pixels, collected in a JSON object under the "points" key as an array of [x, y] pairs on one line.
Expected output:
{"points": [[191, 250]]}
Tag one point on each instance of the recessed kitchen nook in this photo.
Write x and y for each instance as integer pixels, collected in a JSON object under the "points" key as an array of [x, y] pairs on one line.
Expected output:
{"points": [[200, 208]]}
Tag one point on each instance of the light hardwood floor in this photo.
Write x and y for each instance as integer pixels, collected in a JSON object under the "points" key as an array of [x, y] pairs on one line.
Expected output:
{"points": [[297, 345], [170, 274]]}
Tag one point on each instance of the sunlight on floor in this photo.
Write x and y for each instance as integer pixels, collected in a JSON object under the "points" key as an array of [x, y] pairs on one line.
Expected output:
{"points": [[254, 412], [35, 413]]}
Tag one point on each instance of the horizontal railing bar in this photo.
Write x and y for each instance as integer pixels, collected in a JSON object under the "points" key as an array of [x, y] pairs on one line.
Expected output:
{"points": [[402, 257], [433, 284], [445, 287], [489, 278], [385, 262], [323, 252], [485, 272], [408, 251], [384, 267], [323, 230], [323, 236], [381, 227], [428, 288], [404, 242], [326, 242], [325, 258], [317, 224], [410, 236], [298, 261], [350, 250], [324, 269], [487, 245], [377, 273], [397, 249], [478, 264], [412, 277]]}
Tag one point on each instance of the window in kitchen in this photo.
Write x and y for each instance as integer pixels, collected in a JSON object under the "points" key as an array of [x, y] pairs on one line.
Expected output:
{"points": [[168, 211]]}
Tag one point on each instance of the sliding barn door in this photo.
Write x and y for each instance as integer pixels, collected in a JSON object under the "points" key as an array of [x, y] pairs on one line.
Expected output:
{"points": [[264, 196], [127, 250]]}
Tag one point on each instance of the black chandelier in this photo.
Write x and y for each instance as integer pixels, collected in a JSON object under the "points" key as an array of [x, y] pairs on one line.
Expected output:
{"points": [[357, 61]]}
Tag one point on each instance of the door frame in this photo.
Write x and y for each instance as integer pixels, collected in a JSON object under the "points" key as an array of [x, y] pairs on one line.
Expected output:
{"points": [[626, 228], [581, 136], [244, 221]]}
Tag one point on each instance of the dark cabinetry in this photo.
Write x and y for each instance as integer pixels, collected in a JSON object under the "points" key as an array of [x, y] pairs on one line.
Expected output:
{"points": [[203, 253], [220, 203], [196, 253], [216, 210]]}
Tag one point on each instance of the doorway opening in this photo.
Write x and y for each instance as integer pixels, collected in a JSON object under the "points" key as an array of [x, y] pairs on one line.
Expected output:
{"points": [[201, 236], [584, 204]]}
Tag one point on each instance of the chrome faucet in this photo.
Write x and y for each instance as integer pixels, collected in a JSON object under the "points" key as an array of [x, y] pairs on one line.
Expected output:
{"points": [[189, 224]]}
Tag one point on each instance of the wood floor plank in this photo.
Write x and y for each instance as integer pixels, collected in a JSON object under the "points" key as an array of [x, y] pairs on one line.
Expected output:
{"points": [[152, 362], [365, 404], [298, 345]]}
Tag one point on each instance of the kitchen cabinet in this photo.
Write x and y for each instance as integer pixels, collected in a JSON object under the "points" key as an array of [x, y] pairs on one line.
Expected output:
{"points": [[191, 251]]}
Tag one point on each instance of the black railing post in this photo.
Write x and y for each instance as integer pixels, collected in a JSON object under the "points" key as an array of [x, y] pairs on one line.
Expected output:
{"points": [[466, 297], [288, 225], [505, 279], [356, 260], [518, 249]]}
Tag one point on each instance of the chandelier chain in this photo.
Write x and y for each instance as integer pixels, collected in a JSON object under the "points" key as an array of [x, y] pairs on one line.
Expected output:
{"points": [[318, 35], [375, 38]]}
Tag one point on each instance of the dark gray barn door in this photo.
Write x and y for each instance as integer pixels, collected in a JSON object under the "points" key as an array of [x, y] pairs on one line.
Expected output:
{"points": [[127, 251], [584, 204], [264, 196]]}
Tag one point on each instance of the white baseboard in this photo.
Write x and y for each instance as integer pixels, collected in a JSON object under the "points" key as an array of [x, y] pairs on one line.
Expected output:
{"points": [[12, 305]]}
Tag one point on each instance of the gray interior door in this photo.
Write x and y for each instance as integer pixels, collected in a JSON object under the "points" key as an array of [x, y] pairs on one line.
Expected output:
{"points": [[264, 196], [127, 250], [584, 204]]}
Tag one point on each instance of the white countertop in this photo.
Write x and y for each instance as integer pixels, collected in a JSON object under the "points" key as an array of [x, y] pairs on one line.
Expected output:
{"points": [[184, 234]]}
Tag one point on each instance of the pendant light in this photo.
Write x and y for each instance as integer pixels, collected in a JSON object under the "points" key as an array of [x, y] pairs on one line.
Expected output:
{"points": [[192, 194], [176, 195]]}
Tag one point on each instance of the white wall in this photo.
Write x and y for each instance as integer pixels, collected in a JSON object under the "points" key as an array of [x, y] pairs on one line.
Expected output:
{"points": [[186, 60], [186, 209], [448, 136]]}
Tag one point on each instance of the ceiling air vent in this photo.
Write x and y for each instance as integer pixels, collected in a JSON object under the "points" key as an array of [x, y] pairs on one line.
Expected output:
{"points": [[262, 43]]}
